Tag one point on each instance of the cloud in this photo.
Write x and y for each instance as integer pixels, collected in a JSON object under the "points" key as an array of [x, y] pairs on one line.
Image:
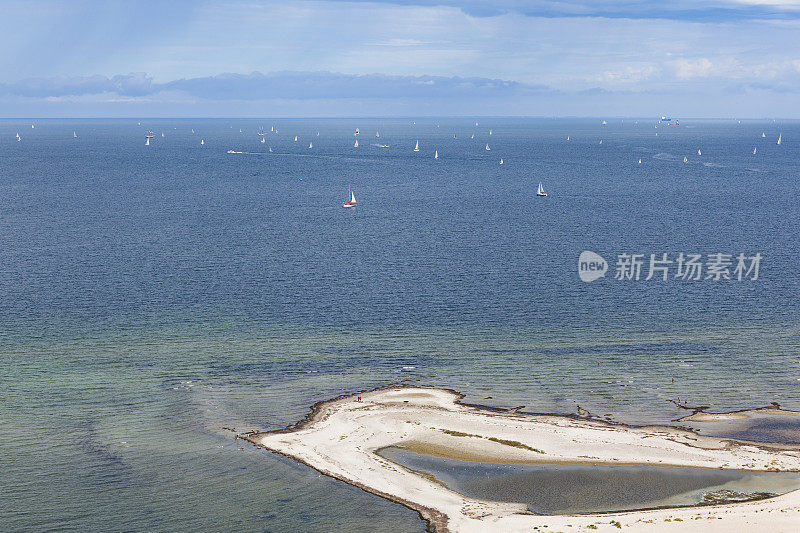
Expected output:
{"points": [[287, 85]]}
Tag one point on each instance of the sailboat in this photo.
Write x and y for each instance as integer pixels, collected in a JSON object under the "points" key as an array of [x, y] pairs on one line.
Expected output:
{"points": [[162, 135], [567, 137], [699, 152], [74, 135], [685, 159], [754, 150], [490, 132], [416, 147], [295, 138], [317, 133], [640, 161], [601, 141], [310, 146], [270, 149], [779, 138], [202, 142], [473, 136], [272, 128], [352, 201], [604, 123], [240, 130], [763, 135], [263, 140], [146, 142], [377, 134], [501, 160], [192, 130], [487, 147], [355, 145], [436, 154], [540, 190]]}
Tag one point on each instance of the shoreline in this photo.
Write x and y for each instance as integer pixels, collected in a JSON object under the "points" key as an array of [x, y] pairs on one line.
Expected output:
{"points": [[340, 437]]}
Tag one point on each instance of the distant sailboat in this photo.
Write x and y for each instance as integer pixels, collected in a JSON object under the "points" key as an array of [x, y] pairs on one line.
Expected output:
{"points": [[436, 154], [270, 149], [763, 135], [685, 159], [540, 190], [162, 135], [455, 136], [377, 134], [352, 201], [192, 130], [567, 137], [779, 138], [490, 132], [240, 130], [754, 150], [317, 133], [355, 145], [295, 138], [263, 140], [601, 141], [202, 142], [604, 123], [310, 145], [146, 142], [74, 135], [699, 152], [640, 161], [487, 147], [473, 136], [501, 160], [416, 147]]}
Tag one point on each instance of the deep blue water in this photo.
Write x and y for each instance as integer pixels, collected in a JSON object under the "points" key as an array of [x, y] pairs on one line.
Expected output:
{"points": [[152, 295]]}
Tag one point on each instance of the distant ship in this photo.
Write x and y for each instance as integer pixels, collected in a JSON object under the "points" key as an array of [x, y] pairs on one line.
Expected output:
{"points": [[295, 138], [416, 147], [699, 152], [540, 190], [377, 134], [436, 154], [487, 147], [604, 123], [779, 138], [74, 135], [763, 135], [202, 142], [355, 145], [310, 145], [754, 150], [685, 159], [352, 201], [640, 161], [501, 160]]}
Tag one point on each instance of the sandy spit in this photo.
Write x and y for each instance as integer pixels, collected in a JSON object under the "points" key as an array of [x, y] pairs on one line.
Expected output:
{"points": [[340, 437]]}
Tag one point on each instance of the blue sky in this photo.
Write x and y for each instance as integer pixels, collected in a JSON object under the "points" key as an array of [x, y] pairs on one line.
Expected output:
{"points": [[703, 58]]}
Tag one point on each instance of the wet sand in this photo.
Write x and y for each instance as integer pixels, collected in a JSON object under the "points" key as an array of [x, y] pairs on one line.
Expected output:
{"points": [[340, 438]]}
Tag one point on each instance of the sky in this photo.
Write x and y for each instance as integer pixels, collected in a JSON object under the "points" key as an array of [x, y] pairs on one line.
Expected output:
{"points": [[687, 58]]}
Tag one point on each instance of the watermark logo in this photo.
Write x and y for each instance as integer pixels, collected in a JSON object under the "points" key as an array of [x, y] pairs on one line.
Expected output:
{"points": [[663, 267], [591, 266]]}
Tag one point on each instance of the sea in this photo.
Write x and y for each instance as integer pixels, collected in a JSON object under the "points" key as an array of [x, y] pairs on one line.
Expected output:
{"points": [[156, 299]]}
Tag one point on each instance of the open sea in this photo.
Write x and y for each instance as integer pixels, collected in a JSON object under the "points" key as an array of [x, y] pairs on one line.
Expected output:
{"points": [[151, 296]]}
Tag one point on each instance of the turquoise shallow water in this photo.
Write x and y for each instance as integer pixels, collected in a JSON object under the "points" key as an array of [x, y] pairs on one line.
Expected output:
{"points": [[151, 298]]}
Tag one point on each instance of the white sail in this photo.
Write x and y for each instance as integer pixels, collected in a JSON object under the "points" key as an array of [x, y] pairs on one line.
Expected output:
{"points": [[487, 147], [473, 136], [699, 152], [604, 123], [377, 134], [436, 154], [779, 138], [501, 160], [270, 149], [310, 145], [540, 190], [416, 147], [352, 196], [147, 142], [192, 130], [490, 132], [601, 141], [640, 161], [202, 142], [263, 140], [295, 138], [162, 135], [685, 159], [355, 145], [240, 130], [763, 134], [754, 150], [567, 137], [74, 135]]}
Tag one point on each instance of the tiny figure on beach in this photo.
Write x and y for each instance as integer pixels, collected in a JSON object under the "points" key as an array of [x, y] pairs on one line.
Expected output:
{"points": [[359, 399]]}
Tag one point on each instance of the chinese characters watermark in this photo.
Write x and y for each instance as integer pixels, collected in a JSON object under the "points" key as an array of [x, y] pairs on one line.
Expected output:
{"points": [[663, 267]]}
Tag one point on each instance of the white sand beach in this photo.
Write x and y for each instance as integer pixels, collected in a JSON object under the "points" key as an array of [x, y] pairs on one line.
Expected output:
{"points": [[340, 439]]}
